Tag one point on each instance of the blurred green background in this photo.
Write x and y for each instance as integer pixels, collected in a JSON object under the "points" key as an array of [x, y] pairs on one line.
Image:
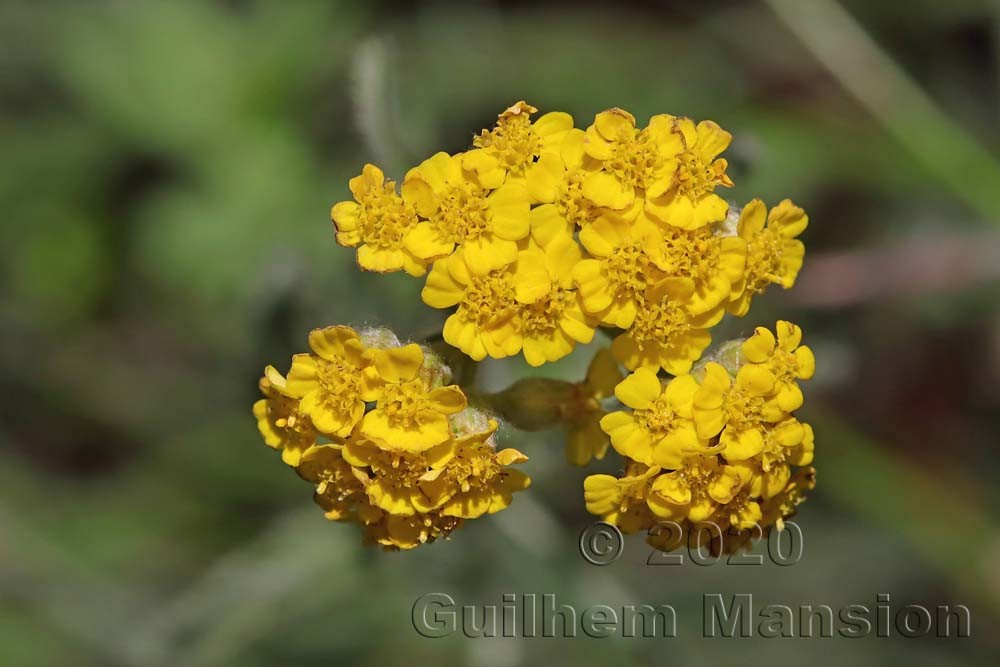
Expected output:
{"points": [[166, 174]]}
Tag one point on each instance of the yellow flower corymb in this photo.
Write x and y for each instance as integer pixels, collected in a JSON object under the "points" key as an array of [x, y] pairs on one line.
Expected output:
{"points": [[411, 462], [534, 238]]}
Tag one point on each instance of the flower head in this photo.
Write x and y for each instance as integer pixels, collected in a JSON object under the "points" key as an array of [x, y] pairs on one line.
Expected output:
{"points": [[409, 416], [631, 163], [691, 201], [279, 420], [378, 222], [334, 381], [774, 254], [515, 142], [464, 208], [483, 324], [621, 501], [659, 430], [549, 316], [784, 358], [665, 333], [696, 489]]}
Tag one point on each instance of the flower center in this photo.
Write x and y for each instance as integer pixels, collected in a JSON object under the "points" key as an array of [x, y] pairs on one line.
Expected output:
{"points": [[513, 142], [743, 408], [543, 315], [572, 204], [385, 217], [655, 323], [473, 467], [692, 254], [695, 177], [486, 296], [659, 418], [462, 213], [763, 260], [629, 271], [401, 402], [634, 158], [340, 384]]}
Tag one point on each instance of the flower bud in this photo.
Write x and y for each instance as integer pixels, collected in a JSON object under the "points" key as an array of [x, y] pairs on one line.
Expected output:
{"points": [[533, 404]]}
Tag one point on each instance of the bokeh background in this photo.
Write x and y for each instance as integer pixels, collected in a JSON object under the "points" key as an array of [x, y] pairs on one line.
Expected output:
{"points": [[166, 172]]}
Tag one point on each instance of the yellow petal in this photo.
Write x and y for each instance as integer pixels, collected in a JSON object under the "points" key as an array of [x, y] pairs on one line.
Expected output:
{"points": [[639, 390], [752, 219], [399, 364], [759, 347], [509, 208], [447, 400], [603, 373], [604, 189], [441, 290]]}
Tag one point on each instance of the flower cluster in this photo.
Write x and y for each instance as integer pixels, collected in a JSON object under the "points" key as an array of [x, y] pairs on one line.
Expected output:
{"points": [[386, 441], [533, 239], [715, 445], [542, 232]]}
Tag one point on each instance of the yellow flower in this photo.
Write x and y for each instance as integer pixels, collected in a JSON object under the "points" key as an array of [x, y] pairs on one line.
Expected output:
{"points": [[378, 222], [556, 183], [774, 254], [714, 264], [696, 489], [624, 262], [484, 323], [784, 358], [484, 216], [633, 163], [279, 420], [549, 317], [333, 384], [665, 333], [339, 487], [739, 411], [409, 416], [585, 440], [515, 142], [621, 502], [476, 481], [691, 201], [660, 430]]}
